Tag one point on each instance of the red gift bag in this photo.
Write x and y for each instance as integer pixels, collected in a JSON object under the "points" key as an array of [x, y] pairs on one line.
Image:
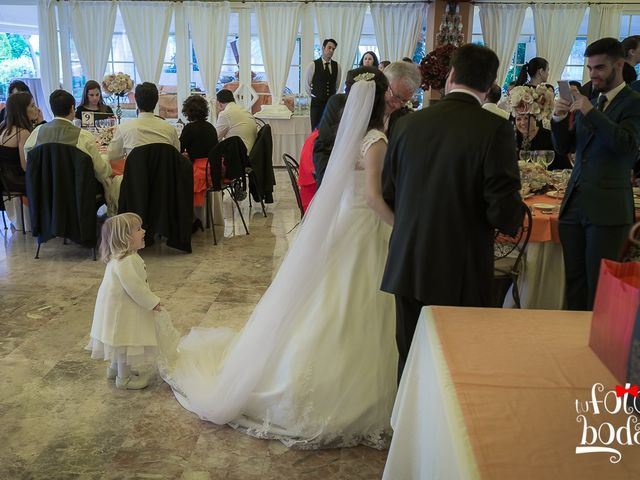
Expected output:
{"points": [[614, 315]]}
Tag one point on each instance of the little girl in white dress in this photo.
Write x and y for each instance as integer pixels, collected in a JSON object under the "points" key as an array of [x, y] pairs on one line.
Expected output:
{"points": [[123, 329]]}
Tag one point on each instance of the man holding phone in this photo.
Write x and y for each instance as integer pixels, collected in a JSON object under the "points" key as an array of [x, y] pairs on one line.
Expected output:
{"points": [[598, 209]]}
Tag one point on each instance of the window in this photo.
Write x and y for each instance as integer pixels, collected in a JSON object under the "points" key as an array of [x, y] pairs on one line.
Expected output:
{"points": [[368, 40], [630, 25], [526, 48]]}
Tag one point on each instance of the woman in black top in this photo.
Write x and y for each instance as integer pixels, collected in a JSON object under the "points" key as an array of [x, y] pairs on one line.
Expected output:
{"points": [[197, 139], [531, 136], [92, 101]]}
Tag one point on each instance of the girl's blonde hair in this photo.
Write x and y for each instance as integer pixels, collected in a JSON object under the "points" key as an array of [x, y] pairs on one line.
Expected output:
{"points": [[116, 236]]}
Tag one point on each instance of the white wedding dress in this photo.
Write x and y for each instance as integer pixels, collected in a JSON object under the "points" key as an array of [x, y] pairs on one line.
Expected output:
{"points": [[315, 365]]}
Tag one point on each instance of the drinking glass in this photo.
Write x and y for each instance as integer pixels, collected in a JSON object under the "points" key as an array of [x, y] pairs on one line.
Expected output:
{"points": [[525, 155], [545, 157]]}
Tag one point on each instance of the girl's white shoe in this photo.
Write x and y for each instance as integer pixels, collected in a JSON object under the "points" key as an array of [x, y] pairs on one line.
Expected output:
{"points": [[133, 382], [112, 372]]}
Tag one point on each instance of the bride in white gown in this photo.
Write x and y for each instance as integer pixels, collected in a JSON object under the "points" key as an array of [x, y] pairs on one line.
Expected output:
{"points": [[315, 365]]}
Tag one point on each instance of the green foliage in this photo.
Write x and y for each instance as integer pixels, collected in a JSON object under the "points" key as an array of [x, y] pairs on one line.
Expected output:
{"points": [[5, 48], [19, 45], [13, 68]]}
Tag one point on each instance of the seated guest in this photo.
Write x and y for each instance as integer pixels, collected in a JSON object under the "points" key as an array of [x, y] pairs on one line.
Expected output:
{"points": [[20, 114], [531, 136], [631, 58], [234, 121], [493, 97], [384, 64], [306, 180], [146, 129], [62, 130], [198, 137], [369, 59], [14, 87], [92, 102]]}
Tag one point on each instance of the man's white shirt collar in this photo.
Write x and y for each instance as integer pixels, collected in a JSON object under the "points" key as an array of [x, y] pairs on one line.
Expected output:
{"points": [[468, 92]]}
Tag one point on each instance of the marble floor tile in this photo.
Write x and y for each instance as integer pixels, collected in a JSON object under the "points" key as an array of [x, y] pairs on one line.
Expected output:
{"points": [[60, 418]]}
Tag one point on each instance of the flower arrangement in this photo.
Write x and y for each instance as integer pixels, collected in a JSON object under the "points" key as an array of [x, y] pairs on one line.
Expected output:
{"points": [[536, 101], [435, 66], [118, 84], [535, 178], [104, 135]]}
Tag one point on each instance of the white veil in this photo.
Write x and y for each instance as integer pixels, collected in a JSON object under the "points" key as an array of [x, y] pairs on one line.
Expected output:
{"points": [[215, 370]]}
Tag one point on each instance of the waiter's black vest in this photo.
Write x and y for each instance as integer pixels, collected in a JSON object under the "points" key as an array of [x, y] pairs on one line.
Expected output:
{"points": [[323, 84]]}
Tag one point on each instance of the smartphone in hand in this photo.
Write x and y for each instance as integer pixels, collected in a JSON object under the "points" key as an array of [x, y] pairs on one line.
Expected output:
{"points": [[564, 89]]}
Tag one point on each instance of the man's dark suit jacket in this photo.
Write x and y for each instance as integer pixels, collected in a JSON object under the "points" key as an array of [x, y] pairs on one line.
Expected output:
{"points": [[606, 149], [328, 129], [451, 177]]}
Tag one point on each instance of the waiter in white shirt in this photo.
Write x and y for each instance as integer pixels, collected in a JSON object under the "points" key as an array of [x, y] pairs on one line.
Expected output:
{"points": [[146, 129], [322, 80]]}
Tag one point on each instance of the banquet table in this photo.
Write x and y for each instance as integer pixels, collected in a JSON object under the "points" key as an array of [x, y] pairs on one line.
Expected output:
{"points": [[492, 394], [288, 136], [541, 282]]}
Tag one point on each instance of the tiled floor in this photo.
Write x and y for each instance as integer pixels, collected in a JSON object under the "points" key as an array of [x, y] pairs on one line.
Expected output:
{"points": [[59, 416]]}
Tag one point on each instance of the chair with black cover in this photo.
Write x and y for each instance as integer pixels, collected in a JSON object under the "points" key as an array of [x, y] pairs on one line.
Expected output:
{"points": [[231, 153], [261, 175], [63, 194], [292, 170], [508, 253], [158, 185]]}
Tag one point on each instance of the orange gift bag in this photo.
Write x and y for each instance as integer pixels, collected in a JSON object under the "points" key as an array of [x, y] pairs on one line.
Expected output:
{"points": [[614, 315]]}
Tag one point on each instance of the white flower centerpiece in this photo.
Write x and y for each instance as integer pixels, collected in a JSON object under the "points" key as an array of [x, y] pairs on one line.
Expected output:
{"points": [[119, 85]]}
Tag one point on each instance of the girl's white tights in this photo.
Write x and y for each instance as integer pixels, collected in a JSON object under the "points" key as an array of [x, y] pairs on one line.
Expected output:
{"points": [[123, 370]]}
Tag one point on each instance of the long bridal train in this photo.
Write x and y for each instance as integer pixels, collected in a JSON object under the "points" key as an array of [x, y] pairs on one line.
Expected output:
{"points": [[315, 365]]}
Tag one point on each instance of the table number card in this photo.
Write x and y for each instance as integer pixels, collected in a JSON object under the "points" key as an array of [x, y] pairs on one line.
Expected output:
{"points": [[88, 119]]}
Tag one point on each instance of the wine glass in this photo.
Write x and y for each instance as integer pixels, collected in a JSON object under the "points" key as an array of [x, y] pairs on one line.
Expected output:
{"points": [[525, 155], [545, 157]]}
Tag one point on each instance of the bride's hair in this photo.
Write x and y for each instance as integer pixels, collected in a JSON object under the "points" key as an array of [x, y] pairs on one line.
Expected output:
{"points": [[382, 84]]}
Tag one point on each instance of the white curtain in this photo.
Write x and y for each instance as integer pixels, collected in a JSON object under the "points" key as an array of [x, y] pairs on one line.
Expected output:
{"points": [[209, 23], [278, 24], [397, 28], [556, 27], [343, 23], [604, 21], [501, 25], [183, 58], [92, 26], [49, 59], [147, 26]]}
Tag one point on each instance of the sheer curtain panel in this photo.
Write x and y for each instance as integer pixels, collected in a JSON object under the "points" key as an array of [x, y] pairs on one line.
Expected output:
{"points": [[556, 27], [92, 29], [604, 21], [49, 59], [501, 25], [343, 23], [147, 26], [183, 58], [209, 23], [397, 28], [278, 24]]}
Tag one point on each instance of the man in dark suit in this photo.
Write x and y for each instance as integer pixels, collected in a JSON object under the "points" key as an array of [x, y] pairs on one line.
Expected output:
{"points": [[598, 206], [404, 79], [452, 178]]}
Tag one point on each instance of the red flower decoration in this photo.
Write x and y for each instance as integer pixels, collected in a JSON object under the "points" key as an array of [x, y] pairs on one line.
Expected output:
{"points": [[435, 67]]}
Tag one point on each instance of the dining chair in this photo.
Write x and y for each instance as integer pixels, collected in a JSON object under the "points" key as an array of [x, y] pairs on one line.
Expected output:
{"points": [[508, 254], [292, 169]]}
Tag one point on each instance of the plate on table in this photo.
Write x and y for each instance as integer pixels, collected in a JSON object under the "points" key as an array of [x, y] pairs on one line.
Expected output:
{"points": [[528, 195], [544, 206], [555, 194]]}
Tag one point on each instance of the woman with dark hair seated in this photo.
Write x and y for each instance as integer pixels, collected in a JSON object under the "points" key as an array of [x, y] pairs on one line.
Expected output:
{"points": [[92, 101], [369, 59], [14, 87], [531, 136], [198, 138]]}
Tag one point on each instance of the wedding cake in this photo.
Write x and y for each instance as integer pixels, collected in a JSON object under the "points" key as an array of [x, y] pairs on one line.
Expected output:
{"points": [[274, 111]]}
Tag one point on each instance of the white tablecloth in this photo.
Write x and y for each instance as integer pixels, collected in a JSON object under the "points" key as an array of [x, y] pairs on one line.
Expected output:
{"points": [[541, 283], [429, 433], [288, 136]]}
